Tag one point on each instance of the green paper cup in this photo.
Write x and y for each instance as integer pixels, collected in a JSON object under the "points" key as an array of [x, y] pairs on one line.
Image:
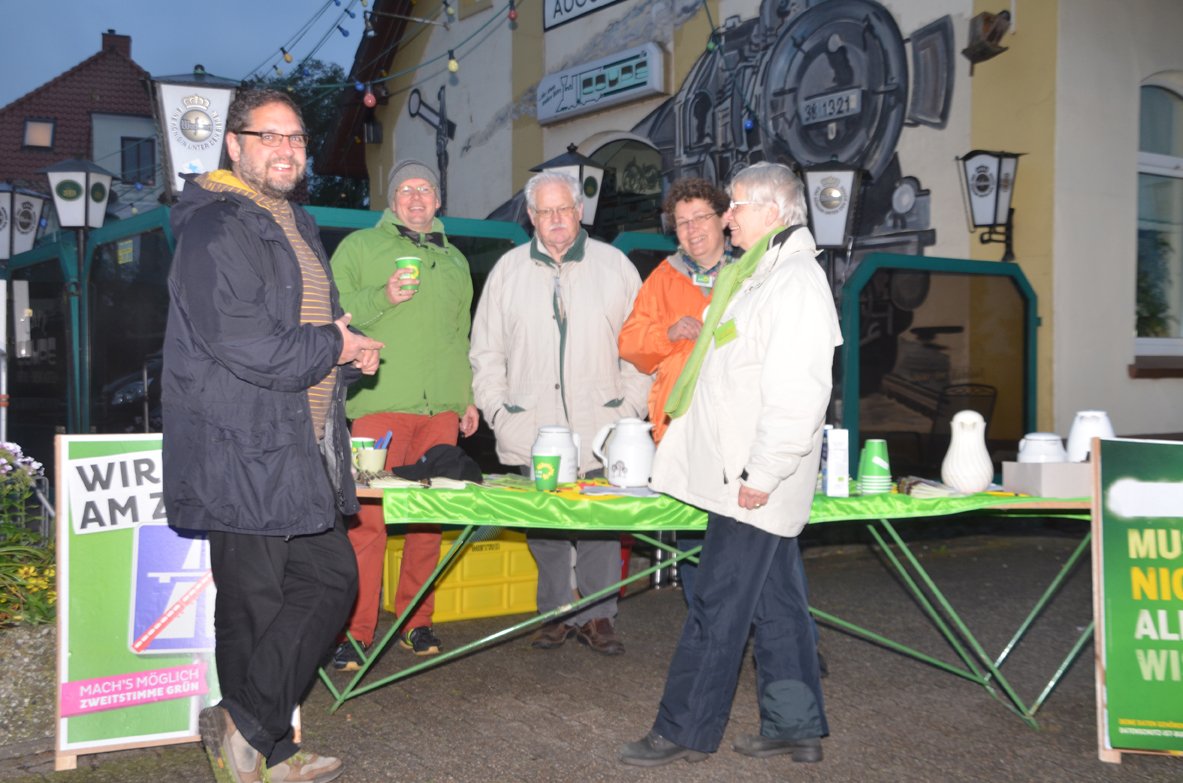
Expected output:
{"points": [[877, 464], [546, 471], [409, 270]]}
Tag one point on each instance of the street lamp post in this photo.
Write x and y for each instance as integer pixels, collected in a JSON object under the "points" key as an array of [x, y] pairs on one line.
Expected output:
{"points": [[20, 217], [80, 191], [988, 179]]}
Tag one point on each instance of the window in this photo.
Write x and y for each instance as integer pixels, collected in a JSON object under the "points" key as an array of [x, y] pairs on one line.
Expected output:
{"points": [[39, 133], [138, 160], [1159, 316]]}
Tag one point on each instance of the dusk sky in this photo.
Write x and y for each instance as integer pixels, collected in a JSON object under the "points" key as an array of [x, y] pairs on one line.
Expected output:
{"points": [[40, 39]]}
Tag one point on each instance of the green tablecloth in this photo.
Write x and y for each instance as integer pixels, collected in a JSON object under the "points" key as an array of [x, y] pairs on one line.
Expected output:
{"points": [[513, 502]]}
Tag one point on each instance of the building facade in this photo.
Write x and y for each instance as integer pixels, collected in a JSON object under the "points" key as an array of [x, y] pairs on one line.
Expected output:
{"points": [[655, 89]]}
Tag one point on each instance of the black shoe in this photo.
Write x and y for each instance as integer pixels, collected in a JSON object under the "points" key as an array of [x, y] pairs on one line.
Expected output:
{"points": [[420, 641], [653, 750], [346, 658], [804, 750]]}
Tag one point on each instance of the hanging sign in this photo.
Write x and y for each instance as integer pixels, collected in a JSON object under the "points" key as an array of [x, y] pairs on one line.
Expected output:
{"points": [[622, 77], [1138, 596], [194, 124]]}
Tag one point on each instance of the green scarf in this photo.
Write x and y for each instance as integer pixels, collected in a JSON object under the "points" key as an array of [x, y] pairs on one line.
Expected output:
{"points": [[726, 284]]}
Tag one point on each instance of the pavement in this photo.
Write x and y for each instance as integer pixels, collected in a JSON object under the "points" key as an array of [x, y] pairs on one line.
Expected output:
{"points": [[511, 713]]}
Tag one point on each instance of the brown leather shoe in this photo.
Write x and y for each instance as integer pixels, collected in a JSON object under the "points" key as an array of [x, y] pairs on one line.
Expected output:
{"points": [[551, 635], [600, 636]]}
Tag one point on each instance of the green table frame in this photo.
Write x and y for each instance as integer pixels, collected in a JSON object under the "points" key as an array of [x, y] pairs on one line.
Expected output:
{"points": [[481, 510]]}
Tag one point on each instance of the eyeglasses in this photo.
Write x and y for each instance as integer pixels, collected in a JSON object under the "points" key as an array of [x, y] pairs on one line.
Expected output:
{"points": [[735, 204], [559, 212], [698, 221], [298, 140], [406, 191]]}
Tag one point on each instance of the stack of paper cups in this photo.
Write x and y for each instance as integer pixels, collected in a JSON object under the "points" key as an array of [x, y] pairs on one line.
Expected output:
{"points": [[874, 471]]}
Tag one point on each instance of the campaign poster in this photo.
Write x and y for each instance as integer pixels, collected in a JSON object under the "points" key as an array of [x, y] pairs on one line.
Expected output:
{"points": [[1138, 586], [135, 603]]}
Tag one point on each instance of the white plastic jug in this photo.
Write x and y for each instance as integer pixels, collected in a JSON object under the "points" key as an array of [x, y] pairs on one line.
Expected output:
{"points": [[1086, 426], [626, 448], [967, 466], [554, 440]]}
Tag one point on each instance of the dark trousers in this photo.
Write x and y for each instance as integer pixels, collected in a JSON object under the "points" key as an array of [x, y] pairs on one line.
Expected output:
{"points": [[280, 605], [746, 578]]}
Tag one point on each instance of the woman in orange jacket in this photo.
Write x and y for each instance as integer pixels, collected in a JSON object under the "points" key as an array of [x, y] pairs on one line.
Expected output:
{"points": [[667, 315]]}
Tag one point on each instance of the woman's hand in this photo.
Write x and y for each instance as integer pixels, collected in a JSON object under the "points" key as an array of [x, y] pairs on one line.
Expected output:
{"points": [[685, 328]]}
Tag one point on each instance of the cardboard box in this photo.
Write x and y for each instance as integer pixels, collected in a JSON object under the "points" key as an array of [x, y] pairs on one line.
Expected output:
{"points": [[491, 578], [1049, 479], [836, 462]]}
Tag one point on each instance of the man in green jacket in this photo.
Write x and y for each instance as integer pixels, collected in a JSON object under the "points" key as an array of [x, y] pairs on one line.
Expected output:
{"points": [[423, 390]]}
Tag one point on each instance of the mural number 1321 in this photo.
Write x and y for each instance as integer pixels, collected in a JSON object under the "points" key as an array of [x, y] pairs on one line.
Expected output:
{"points": [[830, 107]]}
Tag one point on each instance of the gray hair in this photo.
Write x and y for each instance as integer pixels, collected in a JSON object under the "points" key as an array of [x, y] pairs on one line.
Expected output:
{"points": [[774, 183], [550, 178]]}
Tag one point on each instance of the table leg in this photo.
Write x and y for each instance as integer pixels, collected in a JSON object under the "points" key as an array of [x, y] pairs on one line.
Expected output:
{"points": [[355, 688], [462, 540], [1016, 703]]}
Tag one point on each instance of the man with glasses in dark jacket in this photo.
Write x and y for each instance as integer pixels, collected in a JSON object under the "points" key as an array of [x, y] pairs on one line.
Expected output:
{"points": [[257, 355]]}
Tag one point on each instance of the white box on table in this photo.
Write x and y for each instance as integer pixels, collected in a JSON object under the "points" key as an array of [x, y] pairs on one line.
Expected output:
{"points": [[1049, 479], [836, 462]]}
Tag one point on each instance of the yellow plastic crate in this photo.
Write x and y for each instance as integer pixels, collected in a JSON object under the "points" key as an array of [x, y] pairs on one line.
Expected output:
{"points": [[489, 579]]}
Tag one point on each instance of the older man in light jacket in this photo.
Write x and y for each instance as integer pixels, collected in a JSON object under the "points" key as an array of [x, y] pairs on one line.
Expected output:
{"points": [[544, 352], [744, 445]]}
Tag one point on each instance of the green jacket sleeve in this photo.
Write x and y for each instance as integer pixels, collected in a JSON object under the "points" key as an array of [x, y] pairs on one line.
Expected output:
{"points": [[366, 302]]}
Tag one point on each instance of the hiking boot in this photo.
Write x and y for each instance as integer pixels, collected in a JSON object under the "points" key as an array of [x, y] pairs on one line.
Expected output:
{"points": [[420, 641], [230, 756], [346, 657], [600, 636], [551, 635], [654, 750], [808, 751], [302, 767]]}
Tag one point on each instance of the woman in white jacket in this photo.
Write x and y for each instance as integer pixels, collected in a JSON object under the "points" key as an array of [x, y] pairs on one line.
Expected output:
{"points": [[744, 444]]}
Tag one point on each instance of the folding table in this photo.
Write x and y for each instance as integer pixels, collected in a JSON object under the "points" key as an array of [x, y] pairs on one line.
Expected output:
{"points": [[510, 501]]}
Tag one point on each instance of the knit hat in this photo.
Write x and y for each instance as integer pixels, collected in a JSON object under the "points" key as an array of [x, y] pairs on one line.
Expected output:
{"points": [[411, 169]]}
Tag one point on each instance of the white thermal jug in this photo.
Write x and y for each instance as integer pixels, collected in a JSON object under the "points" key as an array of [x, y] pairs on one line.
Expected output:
{"points": [[1087, 425], [554, 440], [626, 448]]}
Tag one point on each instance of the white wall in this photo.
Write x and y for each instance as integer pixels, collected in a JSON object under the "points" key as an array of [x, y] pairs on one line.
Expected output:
{"points": [[1104, 55], [477, 99]]}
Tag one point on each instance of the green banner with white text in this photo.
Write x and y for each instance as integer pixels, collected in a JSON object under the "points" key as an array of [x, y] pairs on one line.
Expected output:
{"points": [[135, 602], [1139, 533]]}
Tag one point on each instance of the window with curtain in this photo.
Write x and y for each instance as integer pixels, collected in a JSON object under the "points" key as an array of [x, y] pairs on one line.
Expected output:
{"points": [[1159, 316], [138, 160]]}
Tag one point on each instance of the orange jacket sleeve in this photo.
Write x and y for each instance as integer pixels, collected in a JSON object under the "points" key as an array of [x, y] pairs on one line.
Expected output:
{"points": [[666, 296]]}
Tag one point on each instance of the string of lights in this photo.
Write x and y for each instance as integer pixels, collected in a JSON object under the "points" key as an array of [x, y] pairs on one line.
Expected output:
{"points": [[291, 43]]}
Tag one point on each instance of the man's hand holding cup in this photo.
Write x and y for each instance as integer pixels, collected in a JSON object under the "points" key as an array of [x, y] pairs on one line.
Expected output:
{"points": [[404, 283]]}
